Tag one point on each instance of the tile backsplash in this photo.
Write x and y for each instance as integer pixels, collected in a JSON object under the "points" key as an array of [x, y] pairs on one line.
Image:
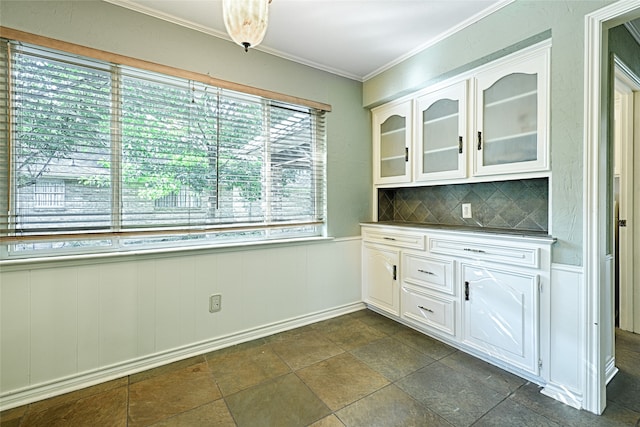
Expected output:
{"points": [[514, 205]]}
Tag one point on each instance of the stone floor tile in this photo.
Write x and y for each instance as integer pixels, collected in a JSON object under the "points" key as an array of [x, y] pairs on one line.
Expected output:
{"points": [[282, 402], [382, 323], [495, 378], [11, 417], [304, 349], [457, 398], [211, 414], [429, 346], [235, 371], [624, 389], [511, 413], [169, 394], [78, 394], [391, 358], [389, 406], [529, 395], [628, 340], [341, 380], [330, 421], [351, 333], [108, 409], [160, 370]]}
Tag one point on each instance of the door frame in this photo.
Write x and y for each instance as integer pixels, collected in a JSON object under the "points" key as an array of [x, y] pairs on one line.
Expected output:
{"points": [[597, 277]]}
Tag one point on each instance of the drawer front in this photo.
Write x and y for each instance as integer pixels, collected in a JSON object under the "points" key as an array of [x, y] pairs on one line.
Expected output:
{"points": [[437, 313], [524, 257], [394, 238], [428, 272]]}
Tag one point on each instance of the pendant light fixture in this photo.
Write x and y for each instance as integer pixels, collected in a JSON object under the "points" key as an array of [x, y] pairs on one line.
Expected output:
{"points": [[246, 21]]}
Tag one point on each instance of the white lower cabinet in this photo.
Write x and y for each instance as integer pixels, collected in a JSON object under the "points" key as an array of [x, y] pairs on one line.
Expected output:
{"points": [[480, 293], [380, 269], [500, 314]]}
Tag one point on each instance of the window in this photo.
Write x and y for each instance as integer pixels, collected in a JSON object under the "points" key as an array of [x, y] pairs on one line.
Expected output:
{"points": [[138, 158]]}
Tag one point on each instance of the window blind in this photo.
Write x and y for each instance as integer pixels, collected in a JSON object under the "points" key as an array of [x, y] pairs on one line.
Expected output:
{"points": [[145, 158]]}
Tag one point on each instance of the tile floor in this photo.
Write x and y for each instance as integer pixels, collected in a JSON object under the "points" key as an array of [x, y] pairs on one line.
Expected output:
{"points": [[360, 369]]}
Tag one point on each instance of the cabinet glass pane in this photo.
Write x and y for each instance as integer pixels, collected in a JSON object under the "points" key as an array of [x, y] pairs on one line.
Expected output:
{"points": [[510, 120], [392, 146], [440, 136]]}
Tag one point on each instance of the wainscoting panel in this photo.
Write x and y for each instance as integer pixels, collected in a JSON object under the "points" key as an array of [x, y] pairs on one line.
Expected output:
{"points": [[69, 325], [567, 335]]}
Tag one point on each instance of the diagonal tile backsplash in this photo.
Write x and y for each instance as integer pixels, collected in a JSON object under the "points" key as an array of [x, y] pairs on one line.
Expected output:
{"points": [[514, 205]]}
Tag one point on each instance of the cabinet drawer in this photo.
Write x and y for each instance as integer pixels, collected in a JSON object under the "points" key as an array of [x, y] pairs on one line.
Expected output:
{"points": [[523, 257], [394, 238], [435, 312], [428, 272]]}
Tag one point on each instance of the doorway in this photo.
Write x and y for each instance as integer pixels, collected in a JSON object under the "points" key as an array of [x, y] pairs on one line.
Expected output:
{"points": [[626, 132]]}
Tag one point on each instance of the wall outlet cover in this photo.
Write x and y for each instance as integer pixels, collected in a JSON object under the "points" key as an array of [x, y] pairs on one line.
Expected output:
{"points": [[466, 210]]}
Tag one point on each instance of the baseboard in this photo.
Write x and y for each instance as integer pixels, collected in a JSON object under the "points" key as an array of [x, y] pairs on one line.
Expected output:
{"points": [[610, 370], [86, 379], [563, 395]]}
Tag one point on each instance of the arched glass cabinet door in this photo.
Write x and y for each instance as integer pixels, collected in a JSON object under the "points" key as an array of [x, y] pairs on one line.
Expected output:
{"points": [[392, 142], [511, 103], [441, 133]]}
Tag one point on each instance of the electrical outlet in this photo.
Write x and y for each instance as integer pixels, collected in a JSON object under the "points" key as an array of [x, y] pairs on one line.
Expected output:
{"points": [[215, 303], [466, 210]]}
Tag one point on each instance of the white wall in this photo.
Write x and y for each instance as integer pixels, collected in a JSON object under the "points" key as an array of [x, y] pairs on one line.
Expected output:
{"points": [[65, 325]]}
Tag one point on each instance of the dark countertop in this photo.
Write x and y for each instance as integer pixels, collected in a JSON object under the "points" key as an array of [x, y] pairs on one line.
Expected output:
{"points": [[468, 229]]}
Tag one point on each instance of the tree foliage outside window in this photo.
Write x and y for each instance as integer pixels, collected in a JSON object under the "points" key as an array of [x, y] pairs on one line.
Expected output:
{"points": [[150, 159]]}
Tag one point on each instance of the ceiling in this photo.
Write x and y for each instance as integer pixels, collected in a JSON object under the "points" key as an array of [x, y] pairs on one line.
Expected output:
{"points": [[352, 38]]}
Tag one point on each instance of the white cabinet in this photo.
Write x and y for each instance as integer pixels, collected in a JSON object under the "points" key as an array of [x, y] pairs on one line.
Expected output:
{"points": [[500, 314], [441, 125], [482, 293], [511, 116], [381, 265], [392, 140], [490, 121], [380, 270]]}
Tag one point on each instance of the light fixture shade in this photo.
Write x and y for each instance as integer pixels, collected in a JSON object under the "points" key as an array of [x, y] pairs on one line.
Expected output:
{"points": [[246, 20]]}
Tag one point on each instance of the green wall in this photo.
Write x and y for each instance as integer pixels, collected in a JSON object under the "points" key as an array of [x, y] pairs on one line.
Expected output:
{"points": [[514, 26], [101, 25]]}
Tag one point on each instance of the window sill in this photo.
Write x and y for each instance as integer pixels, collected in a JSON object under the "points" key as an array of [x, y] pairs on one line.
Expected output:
{"points": [[104, 257]]}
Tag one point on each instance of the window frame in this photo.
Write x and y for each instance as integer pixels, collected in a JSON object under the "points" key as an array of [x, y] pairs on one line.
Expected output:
{"points": [[115, 236]]}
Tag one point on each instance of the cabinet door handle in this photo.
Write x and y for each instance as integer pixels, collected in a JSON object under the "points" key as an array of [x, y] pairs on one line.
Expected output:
{"points": [[460, 144], [425, 309], [479, 140], [477, 251], [466, 291], [389, 238], [406, 154], [395, 272], [427, 272]]}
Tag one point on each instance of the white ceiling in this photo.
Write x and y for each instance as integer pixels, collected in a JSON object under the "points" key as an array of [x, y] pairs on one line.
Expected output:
{"points": [[352, 38]]}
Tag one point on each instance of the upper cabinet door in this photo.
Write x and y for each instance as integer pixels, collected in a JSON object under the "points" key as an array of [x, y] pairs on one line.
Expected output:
{"points": [[441, 126], [511, 124], [392, 130]]}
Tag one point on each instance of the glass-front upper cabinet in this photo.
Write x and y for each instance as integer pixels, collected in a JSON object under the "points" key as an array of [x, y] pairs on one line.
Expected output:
{"points": [[511, 117], [391, 143], [441, 124]]}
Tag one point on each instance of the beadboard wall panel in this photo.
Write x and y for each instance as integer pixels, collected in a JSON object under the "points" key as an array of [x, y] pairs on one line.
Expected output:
{"points": [[64, 323]]}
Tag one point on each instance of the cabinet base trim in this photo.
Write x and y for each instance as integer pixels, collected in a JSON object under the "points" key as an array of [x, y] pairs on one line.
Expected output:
{"points": [[562, 394], [38, 392]]}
